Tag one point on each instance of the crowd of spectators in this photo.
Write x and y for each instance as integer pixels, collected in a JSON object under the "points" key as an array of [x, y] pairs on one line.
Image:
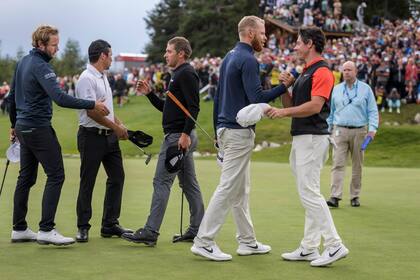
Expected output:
{"points": [[387, 56], [322, 13]]}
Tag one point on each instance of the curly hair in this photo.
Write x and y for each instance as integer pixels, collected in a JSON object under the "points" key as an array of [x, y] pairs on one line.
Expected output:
{"points": [[42, 35]]}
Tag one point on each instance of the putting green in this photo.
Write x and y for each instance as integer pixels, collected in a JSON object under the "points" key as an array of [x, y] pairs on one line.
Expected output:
{"points": [[382, 235]]}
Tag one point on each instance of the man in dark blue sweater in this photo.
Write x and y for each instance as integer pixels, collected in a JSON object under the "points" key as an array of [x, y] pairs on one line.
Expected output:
{"points": [[239, 86], [33, 88]]}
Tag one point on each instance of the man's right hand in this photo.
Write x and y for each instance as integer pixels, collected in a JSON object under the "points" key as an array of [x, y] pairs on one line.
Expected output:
{"points": [[143, 87], [101, 109], [121, 132], [12, 135], [287, 79]]}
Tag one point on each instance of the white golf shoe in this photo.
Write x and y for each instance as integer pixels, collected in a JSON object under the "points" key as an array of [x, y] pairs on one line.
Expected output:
{"points": [[331, 255], [257, 248], [53, 237], [26, 235], [212, 252], [301, 254]]}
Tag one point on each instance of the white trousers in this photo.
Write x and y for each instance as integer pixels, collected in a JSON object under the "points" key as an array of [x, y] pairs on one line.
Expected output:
{"points": [[307, 157], [232, 191]]}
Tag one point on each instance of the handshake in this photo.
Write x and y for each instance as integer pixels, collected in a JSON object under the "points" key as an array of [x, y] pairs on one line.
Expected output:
{"points": [[287, 79]]}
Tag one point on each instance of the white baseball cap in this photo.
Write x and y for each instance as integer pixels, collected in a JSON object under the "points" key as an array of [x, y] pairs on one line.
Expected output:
{"points": [[251, 114]]}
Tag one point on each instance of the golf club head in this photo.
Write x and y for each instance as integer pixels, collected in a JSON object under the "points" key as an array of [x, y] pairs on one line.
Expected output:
{"points": [[148, 158], [176, 238], [182, 238]]}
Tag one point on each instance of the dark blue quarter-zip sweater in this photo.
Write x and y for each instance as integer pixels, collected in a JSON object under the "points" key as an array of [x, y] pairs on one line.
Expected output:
{"points": [[239, 85], [34, 86]]}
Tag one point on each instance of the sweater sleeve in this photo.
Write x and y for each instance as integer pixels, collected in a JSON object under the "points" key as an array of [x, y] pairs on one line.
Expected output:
{"points": [[189, 83], [156, 101], [48, 80], [252, 84], [12, 102]]}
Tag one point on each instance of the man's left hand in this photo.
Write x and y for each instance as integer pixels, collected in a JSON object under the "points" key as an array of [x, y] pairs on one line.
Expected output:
{"points": [[184, 141], [372, 134]]}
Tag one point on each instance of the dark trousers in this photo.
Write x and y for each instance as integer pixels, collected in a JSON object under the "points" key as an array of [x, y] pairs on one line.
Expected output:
{"points": [[94, 149], [38, 145]]}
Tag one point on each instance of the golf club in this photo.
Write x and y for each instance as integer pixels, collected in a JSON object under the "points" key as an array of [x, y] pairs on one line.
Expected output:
{"points": [[186, 112], [148, 156], [4, 176], [141, 139]]}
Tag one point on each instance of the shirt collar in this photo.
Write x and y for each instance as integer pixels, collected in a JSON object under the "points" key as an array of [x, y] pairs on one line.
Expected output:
{"points": [[352, 85], [245, 46], [42, 54], [180, 66], [313, 61], [94, 71]]}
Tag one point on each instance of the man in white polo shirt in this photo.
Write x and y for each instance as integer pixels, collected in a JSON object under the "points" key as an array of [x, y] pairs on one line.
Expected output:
{"points": [[97, 141]]}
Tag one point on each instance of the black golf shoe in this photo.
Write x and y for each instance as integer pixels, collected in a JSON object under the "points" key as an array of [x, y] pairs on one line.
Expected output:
{"points": [[188, 236], [144, 236], [355, 202], [115, 230], [333, 202], [82, 235]]}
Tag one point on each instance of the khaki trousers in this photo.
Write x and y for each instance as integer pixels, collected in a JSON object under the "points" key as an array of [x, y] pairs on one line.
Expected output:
{"points": [[347, 140], [232, 193]]}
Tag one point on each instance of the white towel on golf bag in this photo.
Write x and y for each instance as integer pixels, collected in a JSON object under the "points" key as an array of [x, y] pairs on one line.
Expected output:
{"points": [[251, 114]]}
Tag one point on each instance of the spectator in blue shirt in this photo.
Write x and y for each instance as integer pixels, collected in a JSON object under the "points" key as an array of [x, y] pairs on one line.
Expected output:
{"points": [[354, 115]]}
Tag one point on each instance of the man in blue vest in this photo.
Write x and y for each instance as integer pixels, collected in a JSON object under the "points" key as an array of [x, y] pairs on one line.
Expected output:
{"points": [[309, 108]]}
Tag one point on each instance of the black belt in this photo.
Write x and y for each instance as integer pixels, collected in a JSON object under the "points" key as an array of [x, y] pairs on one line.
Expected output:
{"points": [[351, 127], [99, 131]]}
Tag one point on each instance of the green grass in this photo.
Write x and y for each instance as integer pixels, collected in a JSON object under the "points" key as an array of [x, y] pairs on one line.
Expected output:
{"points": [[394, 146], [382, 235]]}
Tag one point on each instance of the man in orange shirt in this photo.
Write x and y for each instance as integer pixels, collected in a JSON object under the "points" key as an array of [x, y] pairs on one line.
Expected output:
{"points": [[309, 108]]}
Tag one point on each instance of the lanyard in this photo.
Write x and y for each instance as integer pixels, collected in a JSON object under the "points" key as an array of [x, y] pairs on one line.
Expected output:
{"points": [[346, 92]]}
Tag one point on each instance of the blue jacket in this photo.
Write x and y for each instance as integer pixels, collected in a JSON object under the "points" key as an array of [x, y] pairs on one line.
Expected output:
{"points": [[34, 86], [239, 85]]}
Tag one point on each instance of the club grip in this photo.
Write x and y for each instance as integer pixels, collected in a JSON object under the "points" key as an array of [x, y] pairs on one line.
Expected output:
{"points": [[366, 142]]}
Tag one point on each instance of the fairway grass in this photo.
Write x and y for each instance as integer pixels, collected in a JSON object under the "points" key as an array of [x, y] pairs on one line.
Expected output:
{"points": [[383, 235]]}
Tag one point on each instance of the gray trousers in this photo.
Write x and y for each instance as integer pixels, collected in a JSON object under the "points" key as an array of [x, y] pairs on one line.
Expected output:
{"points": [[162, 183]]}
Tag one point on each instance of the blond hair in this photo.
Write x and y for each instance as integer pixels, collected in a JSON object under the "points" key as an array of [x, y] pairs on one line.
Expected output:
{"points": [[249, 22], [42, 35]]}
